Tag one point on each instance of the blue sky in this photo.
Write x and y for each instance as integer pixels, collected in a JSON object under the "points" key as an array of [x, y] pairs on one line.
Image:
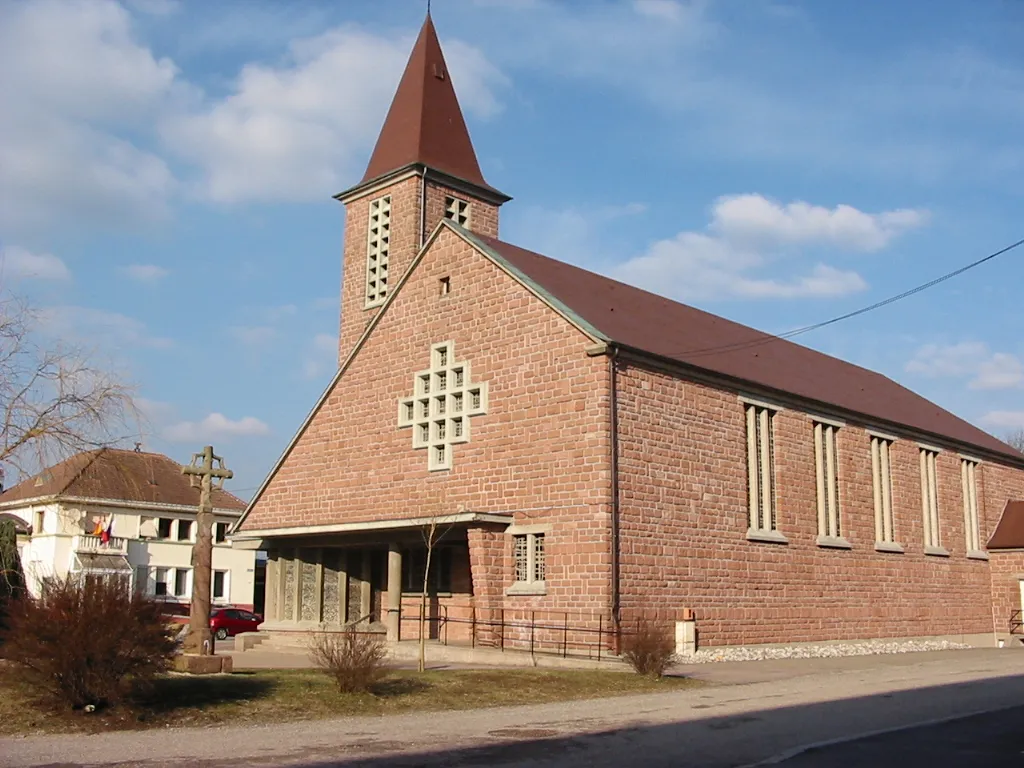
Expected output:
{"points": [[166, 172]]}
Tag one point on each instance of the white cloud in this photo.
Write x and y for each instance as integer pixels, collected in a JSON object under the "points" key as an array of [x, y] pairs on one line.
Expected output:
{"points": [[322, 356], [146, 273], [253, 335], [88, 326], [1004, 419], [216, 426], [16, 262], [663, 10], [759, 221], [748, 235], [300, 131], [969, 359], [79, 71]]}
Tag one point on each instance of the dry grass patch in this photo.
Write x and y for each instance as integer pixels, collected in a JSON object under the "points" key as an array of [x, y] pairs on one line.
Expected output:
{"points": [[274, 696]]}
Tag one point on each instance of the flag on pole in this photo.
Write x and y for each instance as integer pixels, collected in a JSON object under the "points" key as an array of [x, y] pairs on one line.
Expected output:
{"points": [[105, 535]]}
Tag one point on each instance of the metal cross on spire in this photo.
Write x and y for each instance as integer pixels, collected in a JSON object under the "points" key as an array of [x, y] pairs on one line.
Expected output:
{"points": [[206, 472]]}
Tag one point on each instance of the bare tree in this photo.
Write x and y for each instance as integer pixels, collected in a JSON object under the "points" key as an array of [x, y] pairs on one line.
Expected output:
{"points": [[1015, 439], [433, 532], [55, 401]]}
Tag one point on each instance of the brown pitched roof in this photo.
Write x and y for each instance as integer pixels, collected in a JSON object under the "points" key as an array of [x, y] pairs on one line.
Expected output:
{"points": [[655, 325], [1009, 533], [425, 124], [114, 474]]}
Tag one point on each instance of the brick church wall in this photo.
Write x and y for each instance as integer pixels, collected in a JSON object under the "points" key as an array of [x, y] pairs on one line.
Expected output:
{"points": [[540, 453], [684, 518]]}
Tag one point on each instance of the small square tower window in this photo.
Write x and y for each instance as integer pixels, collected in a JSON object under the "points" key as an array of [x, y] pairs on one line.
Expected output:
{"points": [[457, 210], [445, 285]]}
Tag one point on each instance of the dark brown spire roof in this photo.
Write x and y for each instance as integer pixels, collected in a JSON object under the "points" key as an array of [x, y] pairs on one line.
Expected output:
{"points": [[118, 475], [425, 124]]}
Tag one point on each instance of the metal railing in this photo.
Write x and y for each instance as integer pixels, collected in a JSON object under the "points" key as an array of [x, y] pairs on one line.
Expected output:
{"points": [[560, 633], [86, 542], [1016, 623]]}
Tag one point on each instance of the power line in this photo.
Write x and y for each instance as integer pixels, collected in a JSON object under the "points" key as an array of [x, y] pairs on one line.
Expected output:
{"points": [[863, 310]]}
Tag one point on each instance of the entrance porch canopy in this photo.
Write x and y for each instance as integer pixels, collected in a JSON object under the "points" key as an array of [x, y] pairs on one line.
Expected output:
{"points": [[370, 526], [345, 573]]}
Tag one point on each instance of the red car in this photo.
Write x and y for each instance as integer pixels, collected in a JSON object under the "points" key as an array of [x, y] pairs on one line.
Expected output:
{"points": [[227, 622]]}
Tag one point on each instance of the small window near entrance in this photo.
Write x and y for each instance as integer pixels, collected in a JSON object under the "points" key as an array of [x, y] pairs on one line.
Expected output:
{"points": [[529, 557]]}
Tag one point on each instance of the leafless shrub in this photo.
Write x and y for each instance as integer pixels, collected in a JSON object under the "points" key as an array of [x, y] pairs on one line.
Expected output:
{"points": [[648, 647], [87, 642], [356, 660]]}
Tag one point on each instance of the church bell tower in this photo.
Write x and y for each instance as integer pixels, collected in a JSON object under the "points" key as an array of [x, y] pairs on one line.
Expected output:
{"points": [[423, 168]]}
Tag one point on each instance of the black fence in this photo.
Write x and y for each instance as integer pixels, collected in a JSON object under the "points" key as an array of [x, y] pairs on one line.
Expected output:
{"points": [[560, 633]]}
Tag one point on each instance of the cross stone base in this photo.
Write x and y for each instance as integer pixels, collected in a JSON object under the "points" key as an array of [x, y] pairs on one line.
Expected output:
{"points": [[194, 664]]}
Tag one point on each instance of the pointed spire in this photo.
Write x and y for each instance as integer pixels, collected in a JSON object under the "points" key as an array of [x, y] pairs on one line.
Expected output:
{"points": [[425, 124]]}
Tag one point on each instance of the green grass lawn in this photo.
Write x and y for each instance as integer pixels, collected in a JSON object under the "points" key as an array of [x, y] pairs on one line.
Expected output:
{"points": [[273, 696]]}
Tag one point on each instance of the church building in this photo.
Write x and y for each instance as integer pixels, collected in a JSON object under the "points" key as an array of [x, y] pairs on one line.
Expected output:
{"points": [[593, 452]]}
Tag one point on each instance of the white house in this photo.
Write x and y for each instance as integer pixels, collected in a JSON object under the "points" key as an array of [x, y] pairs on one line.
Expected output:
{"points": [[131, 514]]}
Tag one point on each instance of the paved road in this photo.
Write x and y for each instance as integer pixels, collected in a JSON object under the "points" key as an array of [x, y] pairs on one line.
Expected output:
{"points": [[736, 724], [993, 739]]}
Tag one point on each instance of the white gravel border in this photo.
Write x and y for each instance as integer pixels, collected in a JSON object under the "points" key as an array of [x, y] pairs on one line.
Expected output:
{"points": [[823, 651]]}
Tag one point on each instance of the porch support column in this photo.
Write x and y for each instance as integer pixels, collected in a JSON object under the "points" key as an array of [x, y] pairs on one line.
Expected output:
{"points": [[394, 592], [270, 608]]}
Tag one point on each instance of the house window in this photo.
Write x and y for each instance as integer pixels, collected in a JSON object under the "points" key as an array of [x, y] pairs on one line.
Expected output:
{"points": [[761, 468], [445, 285], [457, 210], [826, 455], [378, 247], [930, 501], [163, 529], [528, 553], [881, 475], [968, 481], [40, 520], [220, 585], [161, 583], [184, 530], [181, 582], [437, 412], [220, 532]]}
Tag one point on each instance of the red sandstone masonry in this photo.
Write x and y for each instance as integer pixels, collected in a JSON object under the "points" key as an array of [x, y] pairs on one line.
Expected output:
{"points": [[684, 521], [540, 453], [405, 241]]}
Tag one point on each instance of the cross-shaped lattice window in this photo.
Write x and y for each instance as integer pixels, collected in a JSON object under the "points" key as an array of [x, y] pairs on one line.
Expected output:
{"points": [[445, 397], [457, 210]]}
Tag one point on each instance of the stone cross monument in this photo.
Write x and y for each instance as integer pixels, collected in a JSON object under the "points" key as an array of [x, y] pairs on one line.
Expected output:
{"points": [[206, 473]]}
